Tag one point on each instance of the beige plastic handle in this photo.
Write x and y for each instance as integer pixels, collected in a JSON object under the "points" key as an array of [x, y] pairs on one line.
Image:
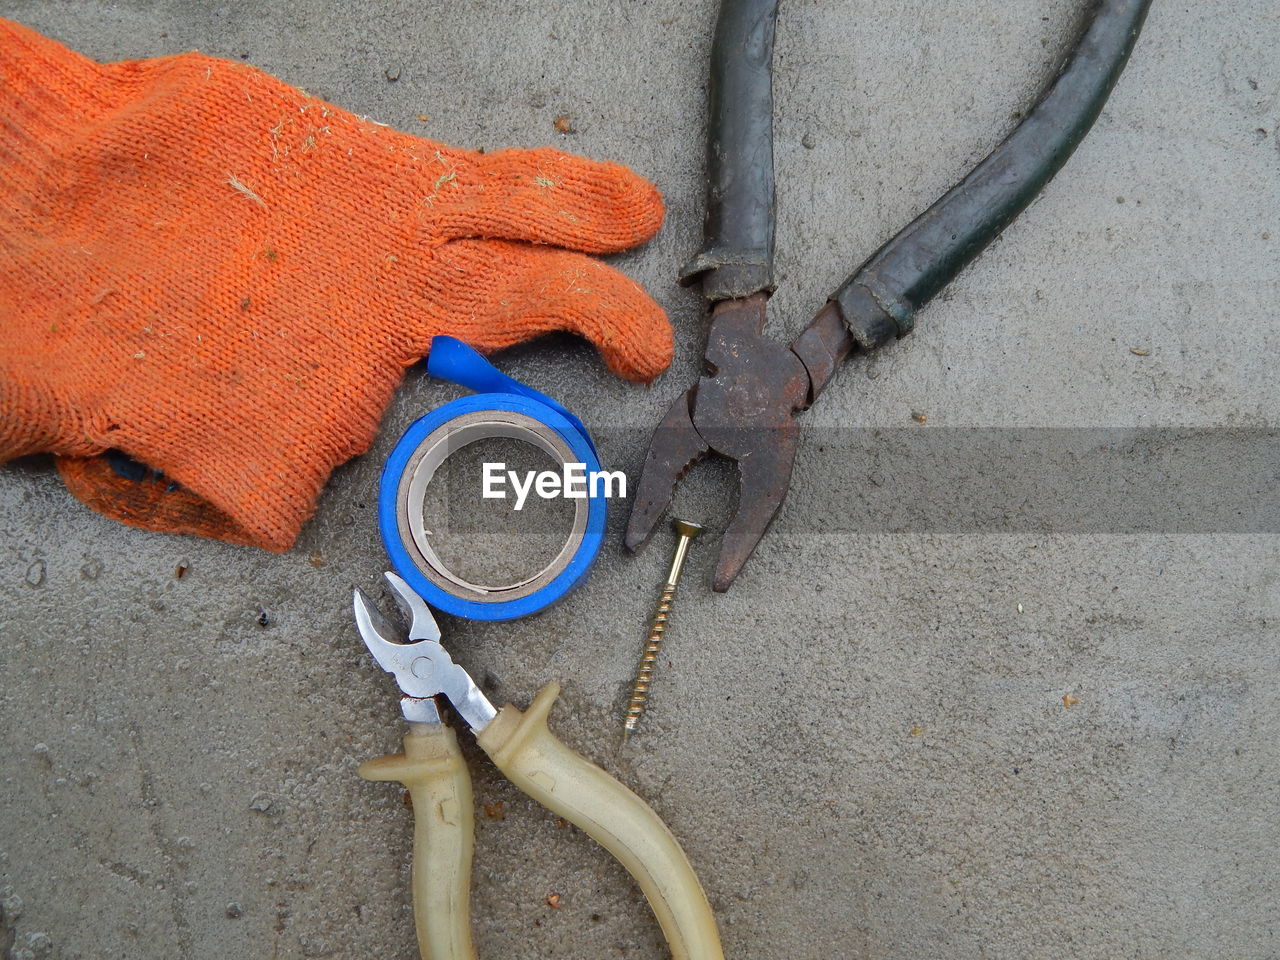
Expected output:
{"points": [[532, 758], [443, 837]]}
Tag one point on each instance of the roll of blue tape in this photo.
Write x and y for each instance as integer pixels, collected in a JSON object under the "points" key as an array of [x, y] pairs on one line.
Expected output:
{"points": [[508, 409]]}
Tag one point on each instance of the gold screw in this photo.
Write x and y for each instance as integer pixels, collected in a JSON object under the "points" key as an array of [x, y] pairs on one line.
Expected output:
{"points": [[686, 530]]}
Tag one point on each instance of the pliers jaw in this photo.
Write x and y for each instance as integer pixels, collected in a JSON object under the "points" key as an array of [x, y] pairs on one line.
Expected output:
{"points": [[421, 665], [674, 448], [743, 409]]}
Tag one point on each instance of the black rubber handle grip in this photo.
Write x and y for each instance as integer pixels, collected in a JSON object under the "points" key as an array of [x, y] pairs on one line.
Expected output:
{"points": [[737, 254], [880, 300]]}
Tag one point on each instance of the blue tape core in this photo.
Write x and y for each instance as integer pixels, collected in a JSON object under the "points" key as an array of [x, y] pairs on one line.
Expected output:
{"points": [[461, 367]]}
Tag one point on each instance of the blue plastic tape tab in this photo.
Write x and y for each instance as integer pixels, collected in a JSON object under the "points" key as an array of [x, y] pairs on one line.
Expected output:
{"points": [[501, 399]]}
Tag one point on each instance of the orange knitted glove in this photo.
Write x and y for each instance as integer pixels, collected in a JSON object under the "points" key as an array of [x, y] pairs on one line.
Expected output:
{"points": [[224, 278]]}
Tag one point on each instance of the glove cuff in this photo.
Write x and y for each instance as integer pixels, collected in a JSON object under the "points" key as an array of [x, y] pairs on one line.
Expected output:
{"points": [[48, 95], [153, 503], [43, 82]]}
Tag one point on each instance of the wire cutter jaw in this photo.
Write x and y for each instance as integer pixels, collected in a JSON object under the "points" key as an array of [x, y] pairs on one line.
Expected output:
{"points": [[421, 665]]}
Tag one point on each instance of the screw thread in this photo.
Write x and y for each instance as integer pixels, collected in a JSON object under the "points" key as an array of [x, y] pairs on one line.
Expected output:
{"points": [[653, 643]]}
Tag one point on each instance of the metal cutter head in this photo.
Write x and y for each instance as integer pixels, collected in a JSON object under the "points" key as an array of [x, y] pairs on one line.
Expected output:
{"points": [[422, 667], [742, 408]]}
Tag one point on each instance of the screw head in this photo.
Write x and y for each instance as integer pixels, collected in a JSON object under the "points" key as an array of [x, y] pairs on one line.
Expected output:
{"points": [[687, 528]]}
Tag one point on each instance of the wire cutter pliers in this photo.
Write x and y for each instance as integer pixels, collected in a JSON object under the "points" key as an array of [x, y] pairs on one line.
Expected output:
{"points": [[744, 404], [527, 753]]}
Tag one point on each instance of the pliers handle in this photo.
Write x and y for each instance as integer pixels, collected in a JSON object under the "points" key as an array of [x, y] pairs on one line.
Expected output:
{"points": [[530, 756]]}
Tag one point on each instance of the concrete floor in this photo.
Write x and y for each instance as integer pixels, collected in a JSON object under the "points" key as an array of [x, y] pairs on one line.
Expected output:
{"points": [[864, 746]]}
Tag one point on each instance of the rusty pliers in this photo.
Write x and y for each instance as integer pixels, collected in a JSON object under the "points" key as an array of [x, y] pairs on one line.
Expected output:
{"points": [[743, 407]]}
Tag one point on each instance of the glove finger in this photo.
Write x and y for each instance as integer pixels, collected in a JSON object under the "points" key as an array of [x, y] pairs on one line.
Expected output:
{"points": [[494, 293], [545, 196]]}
